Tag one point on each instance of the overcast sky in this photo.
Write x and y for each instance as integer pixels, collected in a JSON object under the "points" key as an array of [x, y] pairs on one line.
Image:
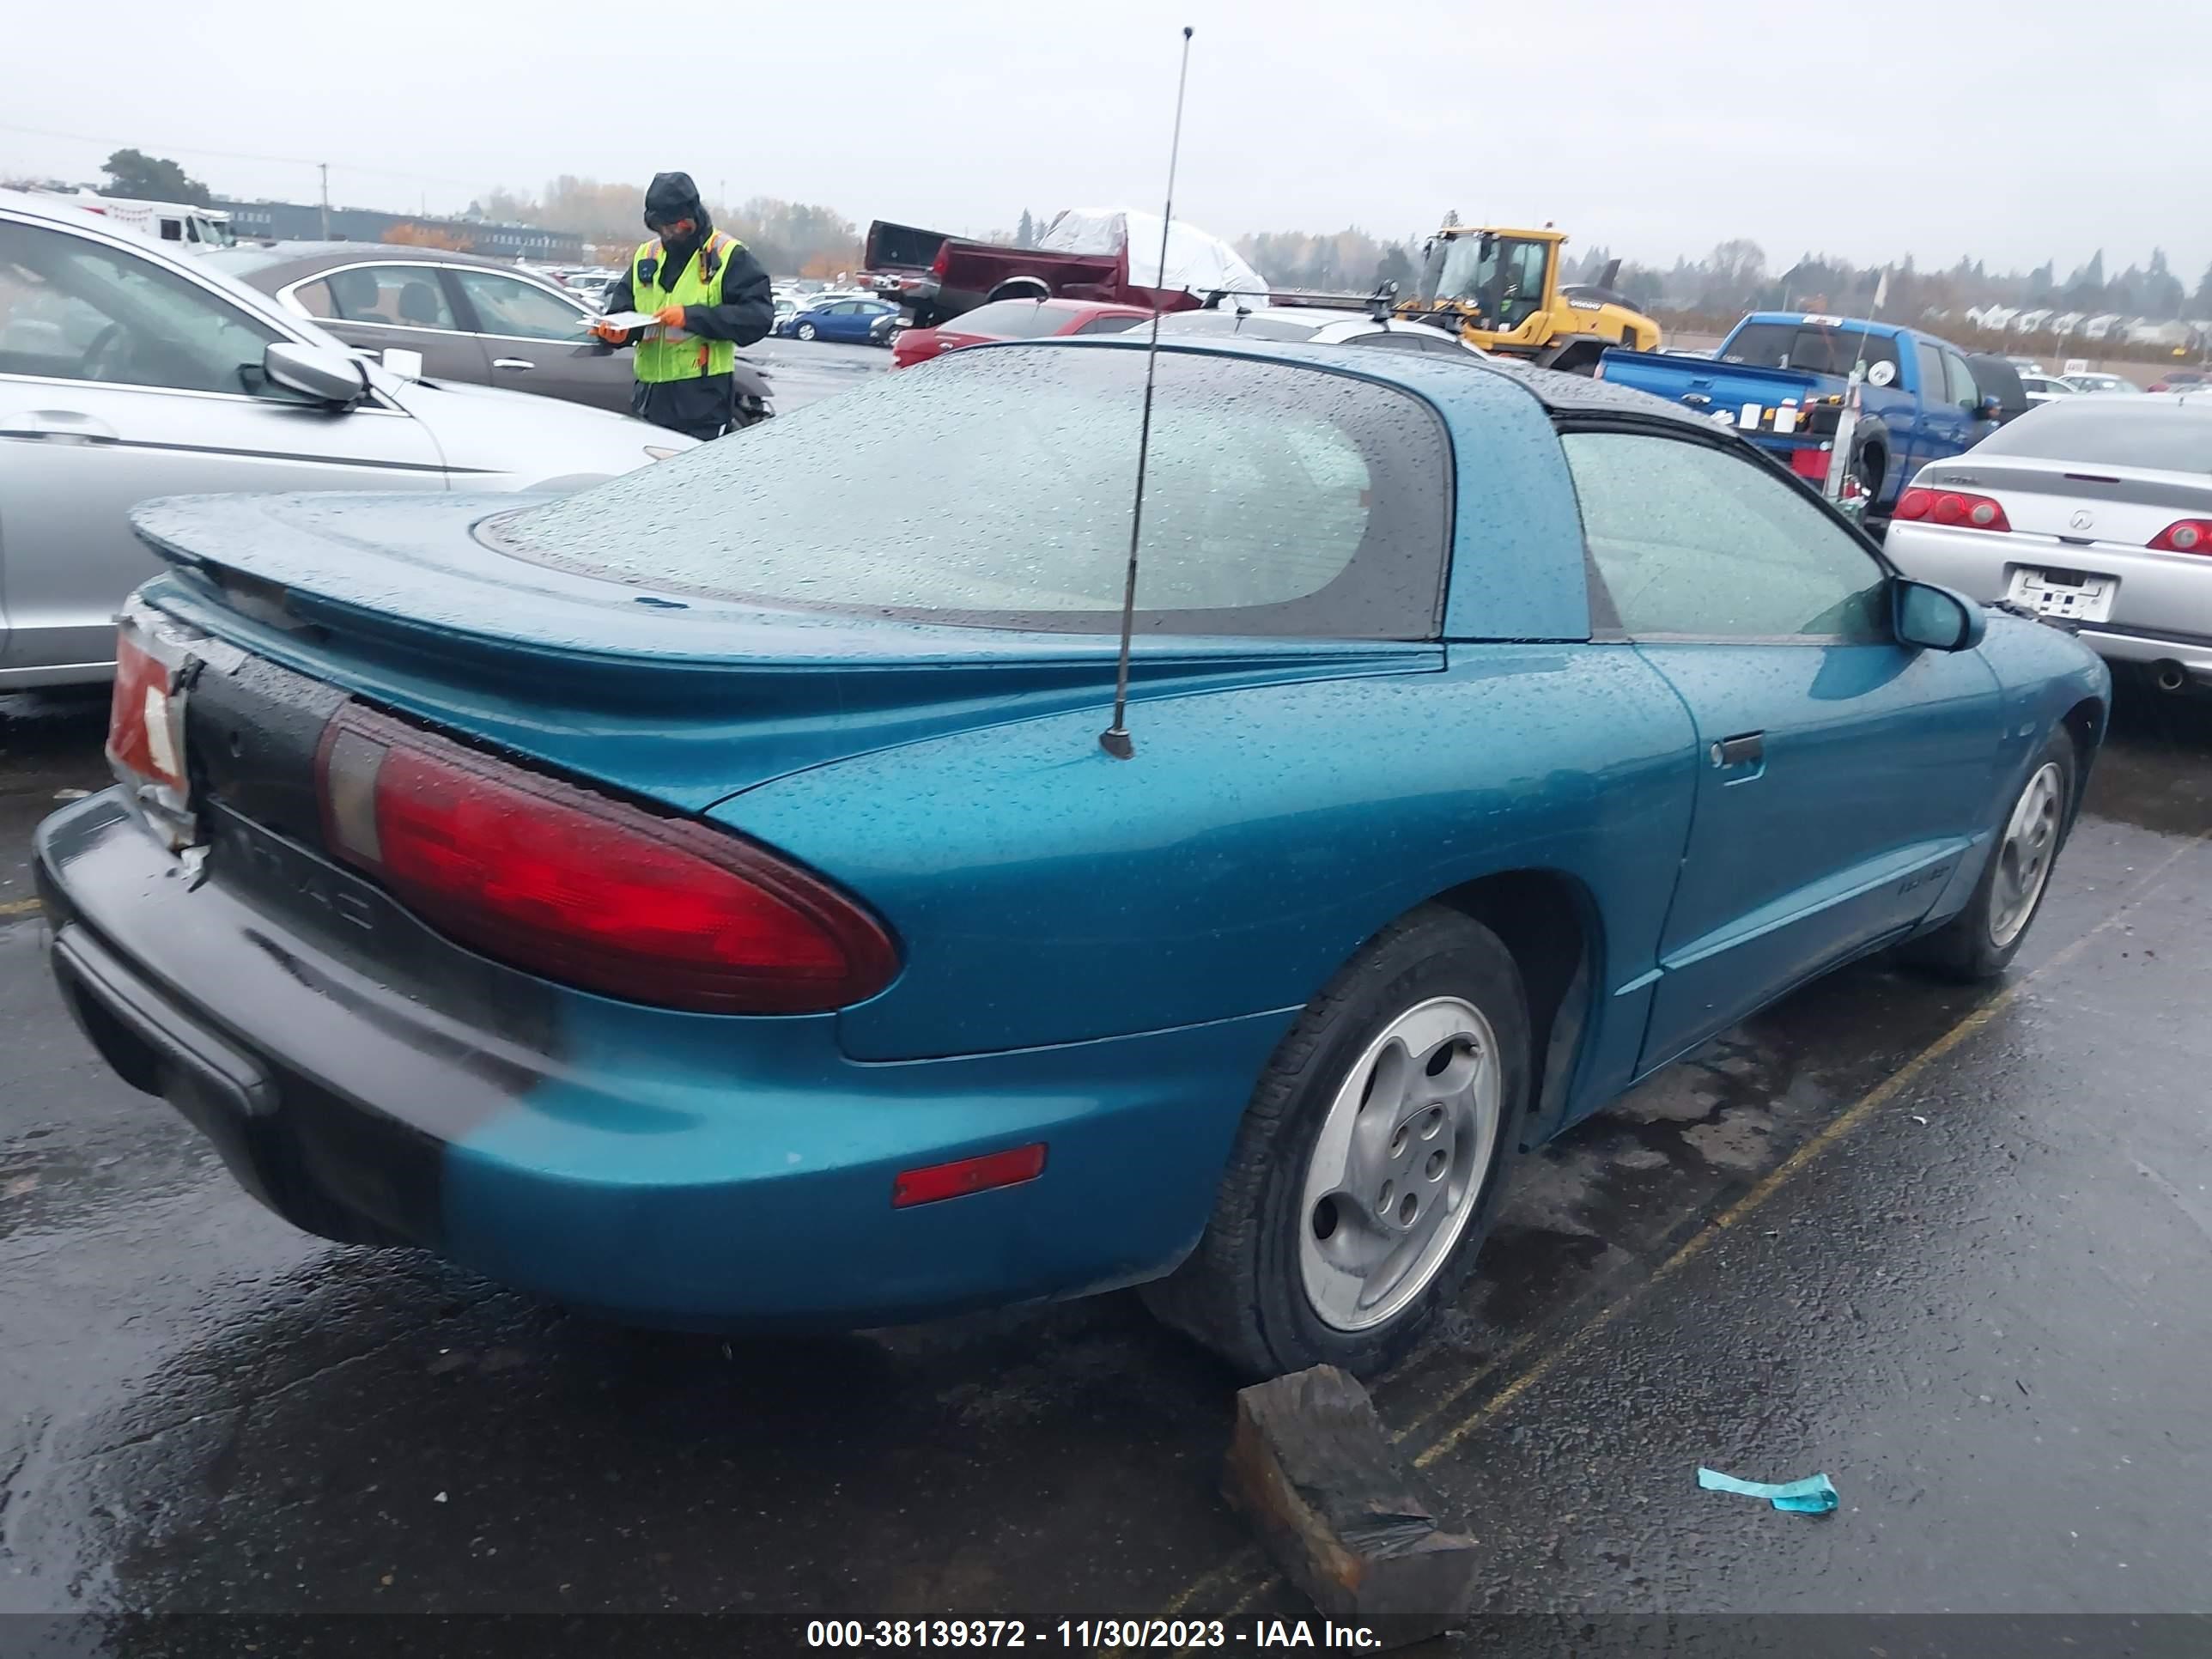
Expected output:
{"points": [[2014, 131]]}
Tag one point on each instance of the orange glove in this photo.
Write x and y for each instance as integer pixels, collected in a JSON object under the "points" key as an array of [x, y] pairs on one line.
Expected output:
{"points": [[670, 317], [608, 332]]}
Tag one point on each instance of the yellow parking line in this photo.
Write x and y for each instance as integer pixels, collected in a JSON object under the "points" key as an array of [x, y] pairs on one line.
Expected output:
{"points": [[1857, 1113], [19, 907]]}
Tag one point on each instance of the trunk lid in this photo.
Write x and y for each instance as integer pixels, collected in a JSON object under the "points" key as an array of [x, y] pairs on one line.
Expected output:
{"points": [[2121, 504], [679, 698]]}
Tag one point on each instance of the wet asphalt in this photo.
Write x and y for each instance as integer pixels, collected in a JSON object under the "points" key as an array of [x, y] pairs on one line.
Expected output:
{"points": [[1949, 1246]]}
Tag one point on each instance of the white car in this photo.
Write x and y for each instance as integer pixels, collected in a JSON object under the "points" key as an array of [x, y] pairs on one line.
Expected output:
{"points": [[1316, 326], [2102, 384], [128, 371], [2041, 388], [2096, 511]]}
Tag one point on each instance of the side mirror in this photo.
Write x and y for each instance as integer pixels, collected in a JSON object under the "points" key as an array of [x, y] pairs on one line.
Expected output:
{"points": [[1936, 619], [317, 373]]}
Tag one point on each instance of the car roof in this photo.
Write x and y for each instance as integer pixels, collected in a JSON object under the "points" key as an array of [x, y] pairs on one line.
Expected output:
{"points": [[255, 260], [66, 216], [2189, 409], [64, 209], [1059, 306], [1427, 373], [1315, 319]]}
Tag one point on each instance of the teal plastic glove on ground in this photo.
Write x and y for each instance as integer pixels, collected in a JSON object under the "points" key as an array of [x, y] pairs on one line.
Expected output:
{"points": [[1811, 1496]]}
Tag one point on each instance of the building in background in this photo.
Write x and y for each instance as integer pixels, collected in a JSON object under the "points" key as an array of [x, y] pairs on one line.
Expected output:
{"points": [[302, 221]]}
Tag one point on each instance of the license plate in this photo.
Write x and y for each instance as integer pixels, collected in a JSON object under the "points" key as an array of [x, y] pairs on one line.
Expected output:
{"points": [[2071, 594]]}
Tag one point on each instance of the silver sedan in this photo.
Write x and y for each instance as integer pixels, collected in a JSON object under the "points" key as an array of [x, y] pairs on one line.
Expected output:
{"points": [[2094, 510], [129, 371]]}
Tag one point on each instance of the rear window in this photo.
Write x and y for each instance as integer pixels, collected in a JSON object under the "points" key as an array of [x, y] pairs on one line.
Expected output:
{"points": [[1011, 320], [2172, 438], [1817, 348], [995, 491]]}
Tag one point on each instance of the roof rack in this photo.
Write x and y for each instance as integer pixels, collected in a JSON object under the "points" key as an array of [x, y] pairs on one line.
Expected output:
{"points": [[1377, 304]]}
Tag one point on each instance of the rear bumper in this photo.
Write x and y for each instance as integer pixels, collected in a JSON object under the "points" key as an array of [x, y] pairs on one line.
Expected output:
{"points": [[2161, 610], [732, 1171]]}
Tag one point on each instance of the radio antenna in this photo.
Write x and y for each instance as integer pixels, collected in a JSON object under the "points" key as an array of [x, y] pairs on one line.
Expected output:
{"points": [[1115, 740]]}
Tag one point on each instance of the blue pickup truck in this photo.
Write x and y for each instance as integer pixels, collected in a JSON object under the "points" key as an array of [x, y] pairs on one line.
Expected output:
{"points": [[1780, 379]]}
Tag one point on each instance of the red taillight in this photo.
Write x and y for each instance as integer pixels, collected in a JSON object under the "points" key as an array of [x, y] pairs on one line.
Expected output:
{"points": [[2186, 536], [1952, 507], [557, 880], [968, 1175], [943, 262], [139, 731], [1810, 462]]}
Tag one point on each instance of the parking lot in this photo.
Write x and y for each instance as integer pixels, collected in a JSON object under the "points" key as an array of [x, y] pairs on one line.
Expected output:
{"points": [[806, 371], [1944, 1245]]}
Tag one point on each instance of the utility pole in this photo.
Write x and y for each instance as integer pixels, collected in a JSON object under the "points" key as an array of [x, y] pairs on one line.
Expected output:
{"points": [[324, 167]]}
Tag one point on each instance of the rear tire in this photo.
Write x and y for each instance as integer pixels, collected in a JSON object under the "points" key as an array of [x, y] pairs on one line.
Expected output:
{"points": [[1980, 942], [1869, 465], [1370, 1161]]}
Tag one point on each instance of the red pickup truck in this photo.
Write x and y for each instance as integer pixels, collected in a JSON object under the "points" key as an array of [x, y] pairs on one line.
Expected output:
{"points": [[936, 276]]}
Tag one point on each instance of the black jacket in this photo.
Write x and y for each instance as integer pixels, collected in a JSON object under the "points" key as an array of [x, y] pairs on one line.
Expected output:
{"points": [[747, 312]]}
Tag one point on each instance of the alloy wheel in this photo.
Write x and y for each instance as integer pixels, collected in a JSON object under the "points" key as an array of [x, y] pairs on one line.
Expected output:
{"points": [[1397, 1170], [2025, 853]]}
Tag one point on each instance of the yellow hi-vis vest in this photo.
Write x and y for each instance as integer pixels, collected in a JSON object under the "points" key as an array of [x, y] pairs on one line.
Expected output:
{"points": [[670, 354]]}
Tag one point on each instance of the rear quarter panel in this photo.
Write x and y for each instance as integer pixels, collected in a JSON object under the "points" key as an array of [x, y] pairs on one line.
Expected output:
{"points": [[1043, 892]]}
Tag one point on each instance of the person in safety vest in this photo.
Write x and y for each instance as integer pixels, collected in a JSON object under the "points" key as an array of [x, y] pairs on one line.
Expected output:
{"points": [[707, 296]]}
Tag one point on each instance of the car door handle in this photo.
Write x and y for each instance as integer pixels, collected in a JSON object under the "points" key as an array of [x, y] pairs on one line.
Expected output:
{"points": [[64, 426], [513, 362], [1739, 751]]}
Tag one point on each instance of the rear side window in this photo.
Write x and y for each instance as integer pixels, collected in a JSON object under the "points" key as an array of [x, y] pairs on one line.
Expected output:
{"points": [[397, 296], [1964, 392], [996, 490], [1109, 324], [1931, 372]]}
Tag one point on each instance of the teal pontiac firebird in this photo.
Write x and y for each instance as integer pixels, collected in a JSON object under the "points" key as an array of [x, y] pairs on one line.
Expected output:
{"points": [[706, 898]]}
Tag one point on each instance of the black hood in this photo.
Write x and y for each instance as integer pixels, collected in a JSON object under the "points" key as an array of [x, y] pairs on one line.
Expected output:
{"points": [[673, 196]]}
